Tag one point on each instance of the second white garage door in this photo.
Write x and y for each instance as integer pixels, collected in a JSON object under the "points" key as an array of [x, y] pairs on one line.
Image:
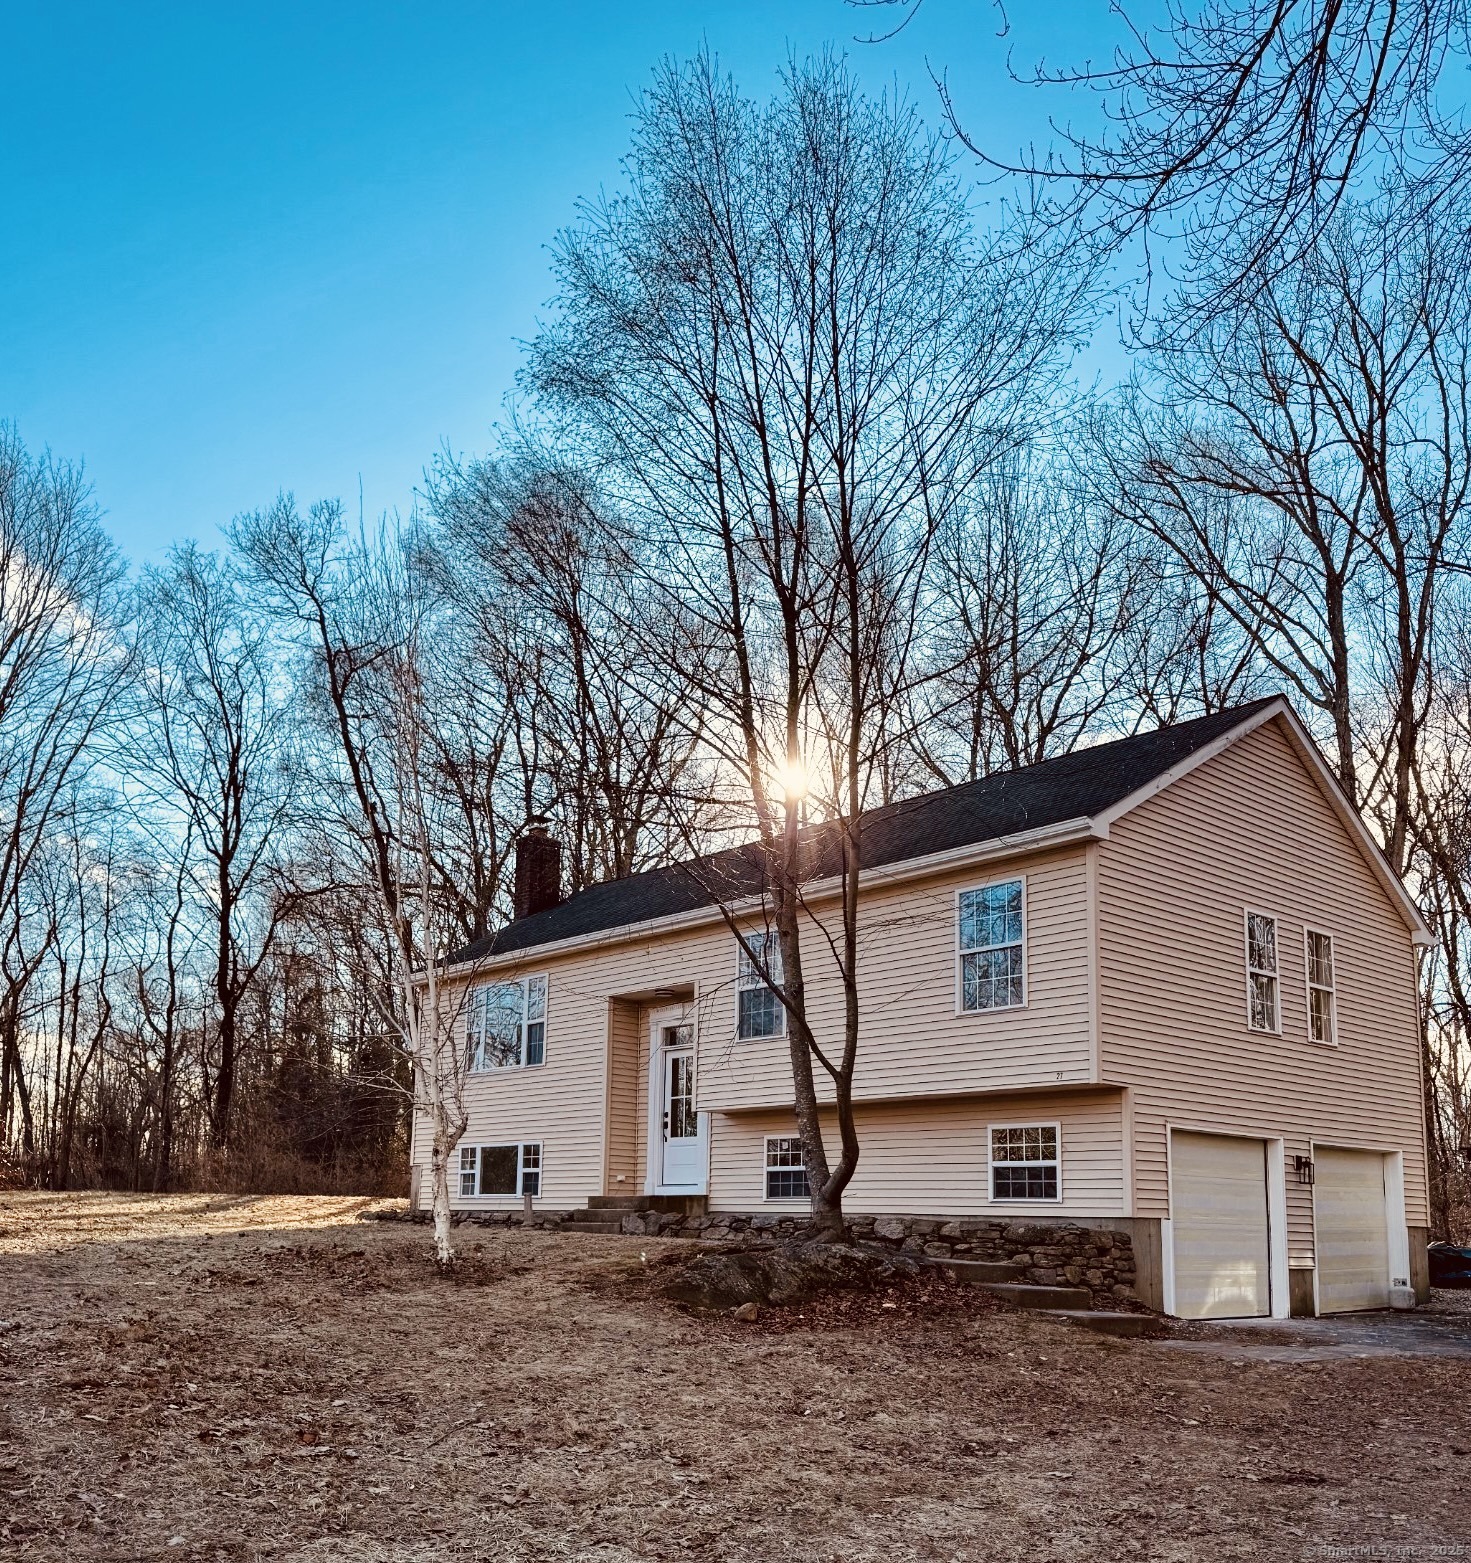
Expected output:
{"points": [[1352, 1235], [1218, 1211]]}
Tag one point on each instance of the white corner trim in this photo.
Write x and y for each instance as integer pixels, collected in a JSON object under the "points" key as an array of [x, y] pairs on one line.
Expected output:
{"points": [[1394, 1215], [1167, 1265]]}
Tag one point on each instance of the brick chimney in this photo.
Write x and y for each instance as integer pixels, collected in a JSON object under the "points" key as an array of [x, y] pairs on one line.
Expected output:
{"points": [[538, 870]]}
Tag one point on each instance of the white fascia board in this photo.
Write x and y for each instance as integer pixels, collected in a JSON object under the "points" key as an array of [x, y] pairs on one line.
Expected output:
{"points": [[1106, 817], [1063, 833], [1328, 785], [1302, 741]]}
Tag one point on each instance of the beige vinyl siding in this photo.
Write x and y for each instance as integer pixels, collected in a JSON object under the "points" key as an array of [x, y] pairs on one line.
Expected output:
{"points": [[560, 1103], [1251, 829], [932, 1158], [626, 1132], [913, 1039], [566, 1102]]}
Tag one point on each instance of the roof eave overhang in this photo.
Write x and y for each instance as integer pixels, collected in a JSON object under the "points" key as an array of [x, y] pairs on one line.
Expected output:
{"points": [[1063, 833], [1302, 742]]}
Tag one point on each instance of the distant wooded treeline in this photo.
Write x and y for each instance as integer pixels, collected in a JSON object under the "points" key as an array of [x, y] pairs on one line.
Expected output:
{"points": [[866, 516]]}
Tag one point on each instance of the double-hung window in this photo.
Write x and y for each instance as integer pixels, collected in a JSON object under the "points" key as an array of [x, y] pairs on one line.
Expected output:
{"points": [[1263, 1011], [759, 1012], [786, 1171], [1322, 996], [992, 946], [1024, 1161], [506, 1025], [500, 1169]]}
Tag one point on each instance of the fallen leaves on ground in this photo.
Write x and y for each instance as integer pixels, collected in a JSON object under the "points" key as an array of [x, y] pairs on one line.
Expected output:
{"points": [[273, 1379]]}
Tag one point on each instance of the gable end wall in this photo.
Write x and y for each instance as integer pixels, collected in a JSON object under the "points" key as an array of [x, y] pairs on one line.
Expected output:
{"points": [[1251, 828]]}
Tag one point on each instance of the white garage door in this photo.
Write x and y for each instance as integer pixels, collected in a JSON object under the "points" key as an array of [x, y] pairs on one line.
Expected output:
{"points": [[1352, 1230], [1218, 1209]]}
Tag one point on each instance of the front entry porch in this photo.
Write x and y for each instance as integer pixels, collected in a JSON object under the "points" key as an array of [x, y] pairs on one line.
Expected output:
{"points": [[657, 1145], [605, 1212]]}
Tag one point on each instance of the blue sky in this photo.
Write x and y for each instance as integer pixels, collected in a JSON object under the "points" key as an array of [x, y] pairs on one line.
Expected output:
{"points": [[295, 246]]}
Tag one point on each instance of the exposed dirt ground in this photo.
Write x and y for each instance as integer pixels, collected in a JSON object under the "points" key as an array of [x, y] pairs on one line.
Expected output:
{"points": [[246, 1378]]}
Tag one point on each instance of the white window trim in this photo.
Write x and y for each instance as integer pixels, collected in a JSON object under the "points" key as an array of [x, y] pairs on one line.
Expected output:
{"points": [[741, 985], [1247, 913], [781, 1199], [1308, 986], [524, 983], [1004, 1009], [522, 1146], [1025, 1123]]}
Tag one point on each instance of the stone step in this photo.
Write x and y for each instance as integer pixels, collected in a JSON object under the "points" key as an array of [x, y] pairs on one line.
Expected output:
{"points": [[1049, 1298], [1104, 1323], [613, 1223], [983, 1272]]}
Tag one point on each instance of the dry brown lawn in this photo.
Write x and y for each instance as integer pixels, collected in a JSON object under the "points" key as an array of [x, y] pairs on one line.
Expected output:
{"points": [[248, 1378]]}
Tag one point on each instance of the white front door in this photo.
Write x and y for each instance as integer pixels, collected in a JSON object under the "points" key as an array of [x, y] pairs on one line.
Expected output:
{"points": [[681, 1159]]}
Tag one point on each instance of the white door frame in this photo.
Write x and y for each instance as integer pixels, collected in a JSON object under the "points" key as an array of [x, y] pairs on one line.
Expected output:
{"points": [[1279, 1282], [657, 1019]]}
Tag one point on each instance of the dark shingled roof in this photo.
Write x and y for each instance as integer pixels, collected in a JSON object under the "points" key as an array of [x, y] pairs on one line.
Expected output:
{"points": [[1072, 786]]}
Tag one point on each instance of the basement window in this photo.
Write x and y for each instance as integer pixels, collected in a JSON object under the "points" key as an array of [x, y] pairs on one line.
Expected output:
{"points": [[1262, 1009], [786, 1170], [1322, 996], [506, 1025], [1024, 1161], [500, 1169]]}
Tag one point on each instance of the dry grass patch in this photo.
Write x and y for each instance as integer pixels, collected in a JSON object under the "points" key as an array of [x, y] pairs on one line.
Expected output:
{"points": [[280, 1380]]}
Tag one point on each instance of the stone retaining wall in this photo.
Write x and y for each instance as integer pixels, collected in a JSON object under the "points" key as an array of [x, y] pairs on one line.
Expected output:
{"points": [[1046, 1253]]}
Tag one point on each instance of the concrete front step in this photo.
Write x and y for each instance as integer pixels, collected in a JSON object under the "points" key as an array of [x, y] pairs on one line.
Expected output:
{"points": [[681, 1204], [1049, 1298], [614, 1223], [1104, 1323], [1003, 1278]]}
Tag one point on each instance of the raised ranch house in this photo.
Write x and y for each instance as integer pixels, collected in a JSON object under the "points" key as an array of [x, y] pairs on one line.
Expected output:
{"points": [[1164, 987]]}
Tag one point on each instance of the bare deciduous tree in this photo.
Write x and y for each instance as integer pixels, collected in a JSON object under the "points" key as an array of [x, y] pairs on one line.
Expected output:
{"points": [[217, 755], [1240, 125], [550, 588], [789, 358], [61, 667], [1307, 458], [363, 619]]}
